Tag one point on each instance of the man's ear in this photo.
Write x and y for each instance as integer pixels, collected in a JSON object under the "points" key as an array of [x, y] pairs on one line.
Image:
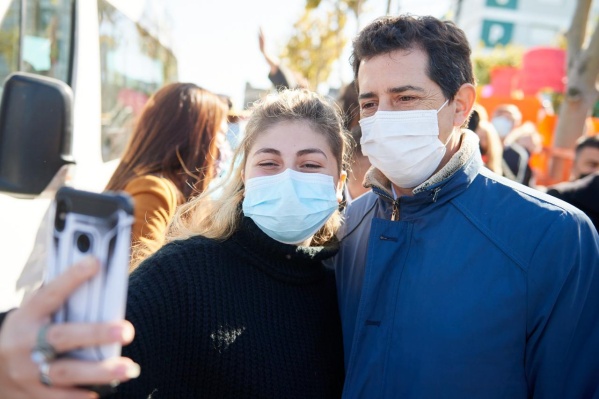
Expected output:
{"points": [[464, 101], [340, 185]]}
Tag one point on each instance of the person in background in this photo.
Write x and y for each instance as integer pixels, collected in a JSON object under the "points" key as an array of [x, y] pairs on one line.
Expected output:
{"points": [[583, 189], [236, 119], [359, 164], [518, 148], [490, 144], [454, 282], [519, 140], [506, 117], [238, 303], [586, 157], [170, 158], [281, 77]]}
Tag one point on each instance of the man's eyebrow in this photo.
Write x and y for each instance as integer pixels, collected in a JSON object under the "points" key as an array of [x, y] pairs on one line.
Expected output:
{"points": [[311, 151], [366, 95], [401, 89], [393, 90]]}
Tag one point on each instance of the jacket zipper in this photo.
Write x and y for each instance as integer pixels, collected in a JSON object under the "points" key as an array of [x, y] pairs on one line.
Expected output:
{"points": [[436, 193], [395, 212]]}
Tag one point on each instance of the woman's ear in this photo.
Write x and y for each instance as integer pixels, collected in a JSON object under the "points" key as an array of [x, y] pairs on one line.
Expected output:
{"points": [[340, 185], [243, 181], [464, 101]]}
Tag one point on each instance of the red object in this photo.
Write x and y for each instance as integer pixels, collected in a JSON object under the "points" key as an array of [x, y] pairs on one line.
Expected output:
{"points": [[543, 68], [134, 99], [504, 80]]}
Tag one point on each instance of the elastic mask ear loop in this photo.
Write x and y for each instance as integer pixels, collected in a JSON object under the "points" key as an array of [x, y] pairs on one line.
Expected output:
{"points": [[452, 131], [444, 104]]}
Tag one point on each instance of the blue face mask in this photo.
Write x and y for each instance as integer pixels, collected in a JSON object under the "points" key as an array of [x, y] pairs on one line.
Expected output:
{"points": [[290, 207]]}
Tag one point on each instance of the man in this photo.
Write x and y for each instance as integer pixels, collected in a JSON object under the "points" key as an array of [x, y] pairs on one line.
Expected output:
{"points": [[586, 157], [454, 282], [583, 190]]}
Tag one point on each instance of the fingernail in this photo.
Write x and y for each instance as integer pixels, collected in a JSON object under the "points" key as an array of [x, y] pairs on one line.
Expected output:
{"points": [[133, 370], [123, 333], [127, 371]]}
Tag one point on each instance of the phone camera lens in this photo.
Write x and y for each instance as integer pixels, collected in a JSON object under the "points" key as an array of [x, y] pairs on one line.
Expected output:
{"points": [[83, 243], [61, 215]]}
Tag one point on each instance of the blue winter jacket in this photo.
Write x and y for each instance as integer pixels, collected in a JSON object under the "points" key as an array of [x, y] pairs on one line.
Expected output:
{"points": [[483, 288]]}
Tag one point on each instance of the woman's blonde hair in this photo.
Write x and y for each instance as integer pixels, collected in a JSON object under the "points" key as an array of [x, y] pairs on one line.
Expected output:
{"points": [[217, 213]]}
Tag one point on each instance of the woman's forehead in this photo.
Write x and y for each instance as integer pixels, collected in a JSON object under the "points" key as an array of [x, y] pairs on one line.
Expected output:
{"points": [[291, 136]]}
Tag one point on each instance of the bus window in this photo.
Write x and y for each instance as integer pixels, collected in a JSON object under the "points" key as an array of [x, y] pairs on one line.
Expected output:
{"points": [[46, 38], [134, 64], [10, 14]]}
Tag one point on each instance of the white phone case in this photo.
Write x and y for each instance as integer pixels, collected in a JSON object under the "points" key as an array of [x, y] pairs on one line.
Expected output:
{"points": [[95, 224]]}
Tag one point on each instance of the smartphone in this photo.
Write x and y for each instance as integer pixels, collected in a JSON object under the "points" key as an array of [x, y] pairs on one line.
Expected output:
{"points": [[97, 224]]}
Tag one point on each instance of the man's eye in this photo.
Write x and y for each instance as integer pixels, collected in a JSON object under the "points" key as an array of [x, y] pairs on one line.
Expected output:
{"points": [[367, 105]]}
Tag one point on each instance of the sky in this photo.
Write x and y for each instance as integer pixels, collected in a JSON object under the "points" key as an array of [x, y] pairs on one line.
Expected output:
{"points": [[216, 42]]}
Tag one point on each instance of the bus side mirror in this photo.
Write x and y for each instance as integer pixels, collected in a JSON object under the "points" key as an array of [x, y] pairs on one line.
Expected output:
{"points": [[35, 132]]}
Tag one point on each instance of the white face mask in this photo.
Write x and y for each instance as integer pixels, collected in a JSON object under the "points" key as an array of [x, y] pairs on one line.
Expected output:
{"points": [[404, 145], [503, 125]]}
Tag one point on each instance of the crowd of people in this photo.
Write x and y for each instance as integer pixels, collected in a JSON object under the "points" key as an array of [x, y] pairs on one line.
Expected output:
{"points": [[409, 268]]}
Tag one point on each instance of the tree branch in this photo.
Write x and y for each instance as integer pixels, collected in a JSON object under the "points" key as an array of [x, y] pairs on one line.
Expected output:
{"points": [[576, 32], [591, 56]]}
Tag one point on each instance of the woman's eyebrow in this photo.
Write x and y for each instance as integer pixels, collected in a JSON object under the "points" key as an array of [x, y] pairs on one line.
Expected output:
{"points": [[267, 150], [312, 151]]}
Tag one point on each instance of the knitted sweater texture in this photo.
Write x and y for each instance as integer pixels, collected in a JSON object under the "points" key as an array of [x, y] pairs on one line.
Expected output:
{"points": [[245, 318]]}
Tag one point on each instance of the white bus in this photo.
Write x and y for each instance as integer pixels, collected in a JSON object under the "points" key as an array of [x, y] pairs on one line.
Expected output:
{"points": [[113, 54]]}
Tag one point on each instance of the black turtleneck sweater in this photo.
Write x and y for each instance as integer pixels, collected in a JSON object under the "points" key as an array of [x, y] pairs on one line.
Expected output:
{"points": [[245, 318]]}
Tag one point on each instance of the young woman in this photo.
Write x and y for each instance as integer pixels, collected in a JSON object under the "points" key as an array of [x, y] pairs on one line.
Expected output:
{"points": [[169, 158], [238, 304]]}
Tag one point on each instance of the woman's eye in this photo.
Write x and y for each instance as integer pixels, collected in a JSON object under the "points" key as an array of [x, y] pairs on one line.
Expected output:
{"points": [[267, 164], [311, 166]]}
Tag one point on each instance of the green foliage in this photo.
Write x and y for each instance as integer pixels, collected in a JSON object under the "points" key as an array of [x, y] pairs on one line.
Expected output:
{"points": [[484, 61], [312, 4], [319, 37]]}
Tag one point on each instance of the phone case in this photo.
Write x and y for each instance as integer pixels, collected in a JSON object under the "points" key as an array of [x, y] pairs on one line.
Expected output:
{"points": [[87, 223]]}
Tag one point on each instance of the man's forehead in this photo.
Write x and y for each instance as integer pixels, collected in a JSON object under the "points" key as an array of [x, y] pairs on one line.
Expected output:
{"points": [[396, 71], [589, 152]]}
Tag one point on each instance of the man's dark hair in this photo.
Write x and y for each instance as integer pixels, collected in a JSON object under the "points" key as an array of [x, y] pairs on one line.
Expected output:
{"points": [[587, 142], [474, 120], [348, 102], [445, 44]]}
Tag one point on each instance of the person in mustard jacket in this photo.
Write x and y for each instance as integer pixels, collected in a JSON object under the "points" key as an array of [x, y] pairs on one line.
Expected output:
{"points": [[170, 157]]}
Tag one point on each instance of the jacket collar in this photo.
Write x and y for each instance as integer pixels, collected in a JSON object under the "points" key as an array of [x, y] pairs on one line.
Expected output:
{"points": [[459, 171]]}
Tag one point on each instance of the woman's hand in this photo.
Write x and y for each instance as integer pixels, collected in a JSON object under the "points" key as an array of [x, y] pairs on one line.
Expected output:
{"points": [[20, 375]]}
